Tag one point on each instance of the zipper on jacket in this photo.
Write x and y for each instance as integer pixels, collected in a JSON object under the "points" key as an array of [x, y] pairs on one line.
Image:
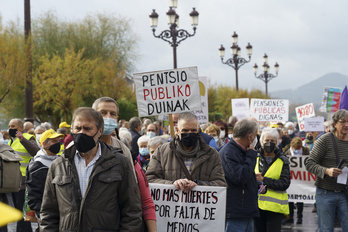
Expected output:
{"points": [[243, 192]]}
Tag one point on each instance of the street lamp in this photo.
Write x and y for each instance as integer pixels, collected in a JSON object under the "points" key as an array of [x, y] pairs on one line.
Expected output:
{"points": [[236, 61], [266, 76], [174, 35]]}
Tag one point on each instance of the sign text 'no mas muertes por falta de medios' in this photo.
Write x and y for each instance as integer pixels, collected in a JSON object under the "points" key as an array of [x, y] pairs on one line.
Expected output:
{"points": [[167, 91]]}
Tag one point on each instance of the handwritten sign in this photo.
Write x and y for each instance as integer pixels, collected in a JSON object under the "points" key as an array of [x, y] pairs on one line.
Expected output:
{"points": [[302, 187], [269, 109], [167, 92], [240, 108], [304, 111], [314, 124], [203, 115], [202, 209]]}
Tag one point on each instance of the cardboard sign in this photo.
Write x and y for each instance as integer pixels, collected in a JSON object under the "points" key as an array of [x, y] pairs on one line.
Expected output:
{"points": [[167, 92], [305, 111], [302, 187], [203, 115], [331, 99], [202, 209], [269, 109], [240, 108], [314, 124]]}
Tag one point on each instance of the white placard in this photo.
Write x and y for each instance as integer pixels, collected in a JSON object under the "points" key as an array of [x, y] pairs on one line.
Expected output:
{"points": [[167, 92], [203, 115], [314, 124], [202, 209], [304, 111], [302, 187], [240, 108], [269, 109]]}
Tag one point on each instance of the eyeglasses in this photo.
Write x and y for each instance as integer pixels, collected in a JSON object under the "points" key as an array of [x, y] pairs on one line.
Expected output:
{"points": [[343, 122]]}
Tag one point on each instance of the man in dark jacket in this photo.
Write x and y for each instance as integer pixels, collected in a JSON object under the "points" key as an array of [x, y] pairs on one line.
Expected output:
{"points": [[134, 129], [91, 187], [238, 161]]}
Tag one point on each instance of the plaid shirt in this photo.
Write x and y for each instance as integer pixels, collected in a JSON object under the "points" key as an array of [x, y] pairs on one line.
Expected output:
{"points": [[84, 171]]}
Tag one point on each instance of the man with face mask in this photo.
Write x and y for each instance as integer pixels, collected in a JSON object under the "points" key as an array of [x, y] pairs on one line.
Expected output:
{"points": [[91, 185], [238, 161], [201, 161], [26, 146], [37, 170]]}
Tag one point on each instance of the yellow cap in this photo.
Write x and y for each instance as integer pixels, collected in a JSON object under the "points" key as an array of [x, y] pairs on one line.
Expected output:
{"points": [[274, 126], [49, 134], [63, 124], [9, 214]]}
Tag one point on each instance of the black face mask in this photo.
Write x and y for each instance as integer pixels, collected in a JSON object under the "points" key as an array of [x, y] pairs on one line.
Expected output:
{"points": [[12, 132], [83, 142], [189, 139], [269, 147], [55, 148], [310, 137]]}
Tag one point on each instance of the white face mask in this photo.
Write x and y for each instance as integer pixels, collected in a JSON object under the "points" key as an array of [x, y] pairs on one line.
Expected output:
{"points": [[222, 134], [290, 132], [253, 144], [151, 134], [230, 136], [38, 136]]}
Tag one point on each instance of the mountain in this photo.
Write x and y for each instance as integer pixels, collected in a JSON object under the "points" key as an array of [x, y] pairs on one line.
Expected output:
{"points": [[313, 91]]}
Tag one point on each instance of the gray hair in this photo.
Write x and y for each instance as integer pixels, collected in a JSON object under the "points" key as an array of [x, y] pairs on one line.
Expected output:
{"points": [[39, 128], [272, 132], [47, 125], [289, 124], [232, 119], [104, 99], [187, 116], [156, 141], [147, 121], [244, 127], [125, 137], [18, 121], [89, 114], [134, 122], [338, 115], [62, 131], [143, 139]]}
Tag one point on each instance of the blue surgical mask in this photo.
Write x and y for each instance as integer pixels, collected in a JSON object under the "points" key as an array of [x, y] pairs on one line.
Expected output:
{"points": [[144, 151], [216, 138], [110, 124], [151, 134], [290, 132]]}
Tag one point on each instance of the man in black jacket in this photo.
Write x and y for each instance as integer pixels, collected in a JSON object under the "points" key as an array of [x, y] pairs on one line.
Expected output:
{"points": [[134, 129]]}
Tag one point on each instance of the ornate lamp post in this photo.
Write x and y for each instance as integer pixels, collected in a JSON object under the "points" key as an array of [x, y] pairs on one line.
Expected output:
{"points": [[236, 61], [266, 76], [174, 35]]}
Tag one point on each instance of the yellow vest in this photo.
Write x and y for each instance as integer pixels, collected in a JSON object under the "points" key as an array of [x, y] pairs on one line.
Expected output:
{"points": [[61, 149], [272, 200], [20, 149]]}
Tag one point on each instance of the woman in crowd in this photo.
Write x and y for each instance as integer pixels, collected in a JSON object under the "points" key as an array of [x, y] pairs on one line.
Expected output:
{"points": [[272, 169], [144, 154], [223, 131], [214, 131]]}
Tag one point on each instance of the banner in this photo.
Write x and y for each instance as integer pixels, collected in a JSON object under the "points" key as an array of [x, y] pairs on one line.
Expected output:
{"points": [[240, 108], [202, 209], [331, 99], [302, 187], [203, 115], [167, 92], [314, 124], [269, 109], [305, 111]]}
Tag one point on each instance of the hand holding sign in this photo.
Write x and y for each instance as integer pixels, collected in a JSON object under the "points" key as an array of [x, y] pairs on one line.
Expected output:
{"points": [[184, 185]]}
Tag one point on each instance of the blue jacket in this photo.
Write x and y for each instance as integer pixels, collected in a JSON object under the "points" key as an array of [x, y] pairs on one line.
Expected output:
{"points": [[239, 166]]}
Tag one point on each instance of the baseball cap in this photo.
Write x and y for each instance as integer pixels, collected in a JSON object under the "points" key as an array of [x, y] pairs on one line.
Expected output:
{"points": [[49, 134], [63, 124]]}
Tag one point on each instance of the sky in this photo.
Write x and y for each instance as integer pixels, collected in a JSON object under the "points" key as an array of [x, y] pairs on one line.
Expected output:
{"points": [[308, 39]]}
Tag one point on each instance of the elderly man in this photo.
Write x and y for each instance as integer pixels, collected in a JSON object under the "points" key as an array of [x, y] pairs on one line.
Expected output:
{"points": [[26, 146], [323, 162], [238, 161], [151, 130], [187, 160], [27, 126], [135, 129], [91, 186]]}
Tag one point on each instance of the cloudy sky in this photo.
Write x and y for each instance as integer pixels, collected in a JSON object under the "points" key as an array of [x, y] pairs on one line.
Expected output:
{"points": [[308, 38]]}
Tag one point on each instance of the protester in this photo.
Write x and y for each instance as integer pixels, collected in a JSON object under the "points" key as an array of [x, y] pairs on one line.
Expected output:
{"points": [[238, 162], [223, 131], [154, 143], [186, 161], [151, 130], [91, 185], [144, 155], [38, 132], [47, 125], [272, 170], [290, 127], [214, 131], [26, 146], [135, 130], [125, 137], [322, 162], [38, 167], [145, 124], [27, 126]]}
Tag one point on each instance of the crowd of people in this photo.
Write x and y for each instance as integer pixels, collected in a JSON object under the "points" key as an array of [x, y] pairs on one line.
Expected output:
{"points": [[93, 174]]}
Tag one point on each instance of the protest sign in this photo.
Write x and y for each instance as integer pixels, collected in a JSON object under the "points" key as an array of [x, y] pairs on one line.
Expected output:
{"points": [[203, 115], [167, 91], [269, 109], [331, 99], [304, 111], [202, 209], [302, 187], [240, 108], [314, 124]]}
